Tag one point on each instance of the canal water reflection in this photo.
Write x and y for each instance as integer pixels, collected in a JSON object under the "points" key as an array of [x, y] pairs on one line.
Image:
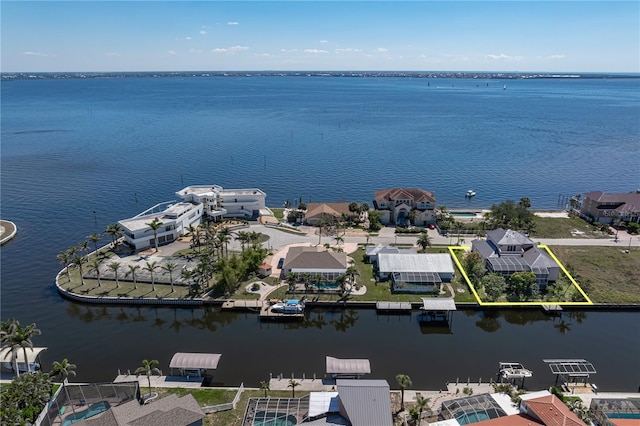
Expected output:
{"points": [[110, 338]]}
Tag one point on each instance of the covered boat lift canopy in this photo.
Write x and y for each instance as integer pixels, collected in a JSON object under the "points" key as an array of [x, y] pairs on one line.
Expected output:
{"points": [[571, 369], [192, 363], [347, 367], [438, 304], [32, 354]]}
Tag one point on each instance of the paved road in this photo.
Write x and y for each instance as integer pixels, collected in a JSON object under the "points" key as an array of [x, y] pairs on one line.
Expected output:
{"points": [[387, 236]]}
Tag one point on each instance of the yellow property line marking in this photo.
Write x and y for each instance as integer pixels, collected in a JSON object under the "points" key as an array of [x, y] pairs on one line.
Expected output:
{"points": [[453, 249]]}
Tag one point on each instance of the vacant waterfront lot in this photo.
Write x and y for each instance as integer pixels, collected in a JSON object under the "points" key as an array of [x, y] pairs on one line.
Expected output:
{"points": [[565, 227], [606, 274]]}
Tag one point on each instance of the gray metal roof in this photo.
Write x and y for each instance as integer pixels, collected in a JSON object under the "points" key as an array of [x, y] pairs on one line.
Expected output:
{"points": [[195, 360], [571, 367], [312, 258], [366, 402], [418, 262], [438, 304], [347, 366], [508, 237]]}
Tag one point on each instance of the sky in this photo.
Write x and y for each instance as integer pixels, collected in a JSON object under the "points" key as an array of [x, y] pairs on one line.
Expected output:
{"points": [[510, 36]]}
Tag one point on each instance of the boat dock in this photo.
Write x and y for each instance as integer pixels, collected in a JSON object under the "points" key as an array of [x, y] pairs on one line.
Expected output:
{"points": [[402, 307], [246, 304], [267, 313]]}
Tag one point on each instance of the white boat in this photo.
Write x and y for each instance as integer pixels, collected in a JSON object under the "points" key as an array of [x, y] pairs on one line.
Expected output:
{"points": [[514, 370], [470, 193], [290, 306], [24, 365]]}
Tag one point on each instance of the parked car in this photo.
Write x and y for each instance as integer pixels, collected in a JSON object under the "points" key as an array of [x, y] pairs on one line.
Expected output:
{"points": [[280, 263]]}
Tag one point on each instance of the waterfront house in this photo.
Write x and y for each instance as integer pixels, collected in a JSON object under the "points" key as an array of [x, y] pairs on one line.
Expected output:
{"points": [[218, 202], [175, 220], [606, 208], [506, 251], [328, 213], [372, 252], [550, 410], [415, 272], [396, 205], [315, 261]]}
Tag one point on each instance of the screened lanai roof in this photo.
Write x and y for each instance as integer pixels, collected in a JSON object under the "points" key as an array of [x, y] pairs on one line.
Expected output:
{"points": [[438, 304], [571, 367], [32, 354], [416, 277], [347, 366], [472, 409], [186, 360], [420, 262], [509, 264]]}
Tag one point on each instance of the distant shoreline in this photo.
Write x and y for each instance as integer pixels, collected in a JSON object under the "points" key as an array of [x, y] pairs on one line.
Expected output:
{"points": [[25, 75]]}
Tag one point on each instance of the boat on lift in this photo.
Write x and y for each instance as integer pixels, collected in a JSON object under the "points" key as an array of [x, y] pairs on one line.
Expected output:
{"points": [[513, 370], [470, 193]]}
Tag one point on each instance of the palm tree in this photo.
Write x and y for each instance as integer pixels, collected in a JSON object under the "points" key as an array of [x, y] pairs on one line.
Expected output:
{"points": [[188, 274], [115, 266], [224, 239], [169, 268], [77, 260], [151, 267], [155, 224], [265, 386], [148, 368], [95, 266], [243, 237], [62, 369], [422, 403], [132, 270], [339, 240], [291, 278], [293, 384], [404, 382], [94, 238], [64, 258], [115, 231], [424, 241], [14, 337], [83, 246], [352, 273]]}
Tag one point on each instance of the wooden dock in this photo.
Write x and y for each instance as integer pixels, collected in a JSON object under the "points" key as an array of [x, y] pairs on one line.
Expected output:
{"points": [[246, 304], [404, 307], [267, 314]]}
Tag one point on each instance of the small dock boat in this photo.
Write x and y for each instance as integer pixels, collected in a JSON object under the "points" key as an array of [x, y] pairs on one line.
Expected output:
{"points": [[289, 306], [513, 370], [470, 193]]}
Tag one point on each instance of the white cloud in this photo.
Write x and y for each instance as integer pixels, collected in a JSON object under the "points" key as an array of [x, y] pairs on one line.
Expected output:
{"points": [[262, 55], [288, 50], [171, 52], [197, 51], [555, 57], [502, 56], [187, 38], [232, 49], [381, 50], [348, 49], [315, 51], [29, 53], [233, 23], [324, 41], [203, 32]]}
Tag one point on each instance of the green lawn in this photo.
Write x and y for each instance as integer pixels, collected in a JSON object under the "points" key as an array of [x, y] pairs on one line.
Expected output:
{"points": [[572, 227], [204, 396], [277, 212], [234, 417], [606, 274]]}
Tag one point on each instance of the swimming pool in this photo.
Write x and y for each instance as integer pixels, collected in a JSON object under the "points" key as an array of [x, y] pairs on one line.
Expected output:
{"points": [[468, 418], [262, 418], [623, 416], [94, 409], [463, 214]]}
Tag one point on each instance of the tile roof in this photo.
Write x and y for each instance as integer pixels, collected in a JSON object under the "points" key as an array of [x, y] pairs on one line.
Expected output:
{"points": [[313, 258], [333, 209], [552, 411], [415, 194]]}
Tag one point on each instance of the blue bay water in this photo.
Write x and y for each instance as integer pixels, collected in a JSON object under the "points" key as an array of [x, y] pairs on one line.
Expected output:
{"points": [[77, 155]]}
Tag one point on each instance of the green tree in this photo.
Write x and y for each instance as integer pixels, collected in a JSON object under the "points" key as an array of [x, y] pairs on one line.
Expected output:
{"points": [[494, 285], [77, 260], [243, 237], [15, 338], [94, 265], [422, 403], [22, 400], [404, 382], [364, 208], [265, 386], [375, 223], [62, 370], [132, 271], [94, 238], [473, 264], [152, 267], [521, 283], [148, 368], [114, 230], [64, 258], [424, 241], [115, 266], [169, 268], [293, 385], [155, 224]]}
